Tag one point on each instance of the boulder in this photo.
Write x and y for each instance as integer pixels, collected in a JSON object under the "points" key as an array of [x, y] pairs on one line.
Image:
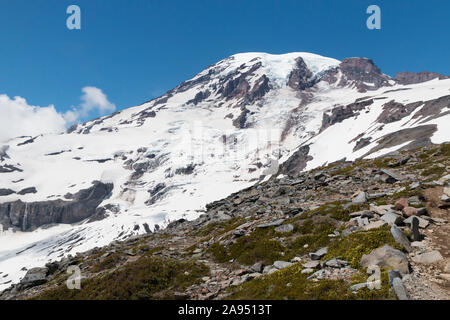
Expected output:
{"points": [[415, 235], [422, 222], [410, 211], [400, 204], [400, 237], [392, 274], [374, 225], [400, 290], [34, 277], [428, 257], [387, 256], [360, 197], [392, 218], [257, 267]]}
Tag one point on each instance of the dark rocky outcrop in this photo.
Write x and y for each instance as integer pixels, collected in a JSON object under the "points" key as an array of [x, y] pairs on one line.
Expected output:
{"points": [[417, 77], [199, 97], [395, 111], [297, 162], [301, 77], [241, 120], [417, 136], [360, 71], [6, 192], [9, 168], [340, 113], [432, 109], [28, 216], [27, 191]]}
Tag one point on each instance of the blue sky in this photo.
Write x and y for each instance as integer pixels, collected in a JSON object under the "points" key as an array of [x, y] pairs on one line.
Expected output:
{"points": [[135, 50]]}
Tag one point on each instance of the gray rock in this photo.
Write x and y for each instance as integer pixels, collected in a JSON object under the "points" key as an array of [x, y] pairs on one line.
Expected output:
{"points": [[311, 264], [282, 264], [307, 270], [257, 267], [392, 274], [284, 228], [400, 290], [391, 176], [360, 198], [392, 218], [275, 223], [428, 257], [362, 214], [319, 253], [34, 277], [82, 206], [336, 263], [415, 235], [358, 286], [375, 225], [400, 237], [422, 222], [387, 256]]}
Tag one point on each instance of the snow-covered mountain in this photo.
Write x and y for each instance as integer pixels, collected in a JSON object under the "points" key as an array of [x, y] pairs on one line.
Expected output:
{"points": [[229, 127]]}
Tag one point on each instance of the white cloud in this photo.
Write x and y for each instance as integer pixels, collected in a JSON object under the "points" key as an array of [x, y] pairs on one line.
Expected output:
{"points": [[93, 99], [17, 118]]}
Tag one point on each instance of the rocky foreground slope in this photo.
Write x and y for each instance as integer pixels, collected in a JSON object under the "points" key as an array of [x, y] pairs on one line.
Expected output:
{"points": [[302, 235]]}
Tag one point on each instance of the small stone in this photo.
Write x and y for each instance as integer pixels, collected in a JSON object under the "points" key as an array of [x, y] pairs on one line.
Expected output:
{"points": [[418, 244], [358, 286], [307, 270], [319, 253], [311, 264], [282, 264], [275, 223], [336, 263], [284, 228], [410, 211]]}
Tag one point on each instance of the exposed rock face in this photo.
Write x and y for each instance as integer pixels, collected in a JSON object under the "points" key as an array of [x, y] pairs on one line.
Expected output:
{"points": [[418, 137], [340, 113], [28, 216], [363, 73], [301, 77], [395, 111], [433, 108], [297, 162], [417, 77]]}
